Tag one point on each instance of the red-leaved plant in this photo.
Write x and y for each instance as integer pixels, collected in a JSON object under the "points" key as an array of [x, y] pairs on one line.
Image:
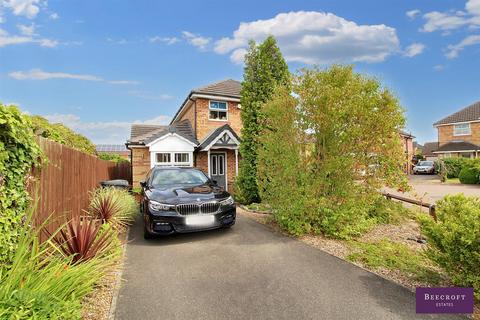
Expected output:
{"points": [[82, 240]]}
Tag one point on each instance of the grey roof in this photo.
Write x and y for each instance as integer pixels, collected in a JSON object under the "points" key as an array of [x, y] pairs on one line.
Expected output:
{"points": [[214, 134], [227, 88], [111, 148], [470, 113], [144, 134], [429, 147], [458, 146]]}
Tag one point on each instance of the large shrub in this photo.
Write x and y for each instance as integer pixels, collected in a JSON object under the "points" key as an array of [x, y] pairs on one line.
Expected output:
{"points": [[18, 154], [326, 148], [469, 175], [454, 242], [265, 68], [61, 134], [453, 166]]}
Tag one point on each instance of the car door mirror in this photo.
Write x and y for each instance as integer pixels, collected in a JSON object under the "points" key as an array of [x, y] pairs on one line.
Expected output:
{"points": [[215, 182], [143, 184]]}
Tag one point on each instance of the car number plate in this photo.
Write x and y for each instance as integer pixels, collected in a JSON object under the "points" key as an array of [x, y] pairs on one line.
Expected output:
{"points": [[200, 220]]}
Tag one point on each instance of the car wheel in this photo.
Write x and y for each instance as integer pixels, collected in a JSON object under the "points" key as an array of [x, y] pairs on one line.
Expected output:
{"points": [[146, 235]]}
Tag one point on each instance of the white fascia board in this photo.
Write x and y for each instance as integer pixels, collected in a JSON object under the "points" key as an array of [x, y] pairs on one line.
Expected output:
{"points": [[169, 135]]}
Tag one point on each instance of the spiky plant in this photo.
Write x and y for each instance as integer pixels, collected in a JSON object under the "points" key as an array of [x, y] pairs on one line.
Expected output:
{"points": [[113, 206], [82, 240]]}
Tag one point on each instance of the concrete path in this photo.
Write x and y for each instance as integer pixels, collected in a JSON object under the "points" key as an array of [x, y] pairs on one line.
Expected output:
{"points": [[430, 189], [250, 272]]}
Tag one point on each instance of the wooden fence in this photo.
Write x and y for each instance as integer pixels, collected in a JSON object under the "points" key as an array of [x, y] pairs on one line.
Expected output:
{"points": [[62, 187]]}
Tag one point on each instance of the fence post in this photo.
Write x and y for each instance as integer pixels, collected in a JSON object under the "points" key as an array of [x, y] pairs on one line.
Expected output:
{"points": [[432, 212]]}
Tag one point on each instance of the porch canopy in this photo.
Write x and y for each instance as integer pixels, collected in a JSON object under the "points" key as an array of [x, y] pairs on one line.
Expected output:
{"points": [[223, 137]]}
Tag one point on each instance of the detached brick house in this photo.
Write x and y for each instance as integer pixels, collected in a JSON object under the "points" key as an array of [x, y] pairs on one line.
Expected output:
{"points": [[204, 133], [459, 133]]}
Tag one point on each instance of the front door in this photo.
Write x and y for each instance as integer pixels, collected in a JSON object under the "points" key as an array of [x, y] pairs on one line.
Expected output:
{"points": [[217, 168]]}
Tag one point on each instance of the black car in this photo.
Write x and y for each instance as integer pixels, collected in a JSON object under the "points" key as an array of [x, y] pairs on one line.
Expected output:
{"points": [[177, 199]]}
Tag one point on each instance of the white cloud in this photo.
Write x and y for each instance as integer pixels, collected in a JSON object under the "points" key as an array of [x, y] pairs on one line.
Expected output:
{"points": [[148, 96], [196, 40], [414, 49], [119, 41], [315, 38], [27, 8], [166, 40], [113, 132], [448, 21], [37, 74], [26, 30], [238, 55], [454, 50], [6, 39], [439, 67], [123, 82], [54, 16], [412, 13]]}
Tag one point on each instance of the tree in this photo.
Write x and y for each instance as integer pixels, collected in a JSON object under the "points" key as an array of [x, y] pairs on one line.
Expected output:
{"points": [[265, 69], [328, 144]]}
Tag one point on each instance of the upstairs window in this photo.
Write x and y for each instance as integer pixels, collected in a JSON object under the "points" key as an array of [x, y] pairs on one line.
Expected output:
{"points": [[218, 110], [182, 158], [462, 129]]}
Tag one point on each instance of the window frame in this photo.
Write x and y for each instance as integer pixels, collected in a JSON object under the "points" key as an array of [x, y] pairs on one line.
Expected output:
{"points": [[466, 131], [217, 110], [172, 156]]}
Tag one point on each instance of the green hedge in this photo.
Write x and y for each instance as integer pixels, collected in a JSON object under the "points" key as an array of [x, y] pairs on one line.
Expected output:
{"points": [[469, 175], [453, 166], [454, 242]]}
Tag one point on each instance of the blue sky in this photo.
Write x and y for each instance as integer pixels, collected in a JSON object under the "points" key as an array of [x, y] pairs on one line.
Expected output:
{"points": [[98, 66]]}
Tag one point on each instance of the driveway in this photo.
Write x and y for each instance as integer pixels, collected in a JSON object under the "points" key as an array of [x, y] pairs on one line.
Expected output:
{"points": [[430, 189], [250, 272]]}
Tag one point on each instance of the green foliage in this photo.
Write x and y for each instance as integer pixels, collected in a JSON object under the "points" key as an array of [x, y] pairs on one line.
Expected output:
{"points": [[454, 242], [61, 134], [453, 166], [18, 154], [112, 157], [469, 175], [114, 206], [41, 284], [265, 69], [394, 256], [316, 143]]}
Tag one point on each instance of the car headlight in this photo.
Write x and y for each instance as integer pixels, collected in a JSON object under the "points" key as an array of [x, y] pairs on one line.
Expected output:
{"points": [[157, 206], [227, 202]]}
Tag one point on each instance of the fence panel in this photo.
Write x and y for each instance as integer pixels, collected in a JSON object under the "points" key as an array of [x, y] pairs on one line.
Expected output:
{"points": [[62, 186]]}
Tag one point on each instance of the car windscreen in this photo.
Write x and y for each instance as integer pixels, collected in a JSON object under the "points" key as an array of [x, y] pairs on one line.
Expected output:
{"points": [[173, 177], [426, 163]]}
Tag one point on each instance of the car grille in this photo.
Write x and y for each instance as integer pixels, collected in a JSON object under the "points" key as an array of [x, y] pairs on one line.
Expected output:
{"points": [[194, 208]]}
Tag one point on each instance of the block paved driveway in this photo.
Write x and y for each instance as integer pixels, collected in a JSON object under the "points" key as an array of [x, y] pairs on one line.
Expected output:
{"points": [[250, 272]]}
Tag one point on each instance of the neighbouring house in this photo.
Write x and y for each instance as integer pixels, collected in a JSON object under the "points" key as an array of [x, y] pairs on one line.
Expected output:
{"points": [[119, 149], [407, 142], [428, 149], [459, 133], [204, 133]]}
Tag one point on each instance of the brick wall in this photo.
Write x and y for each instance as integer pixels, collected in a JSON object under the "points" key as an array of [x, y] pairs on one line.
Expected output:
{"points": [[189, 114], [140, 165], [205, 126], [445, 134]]}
